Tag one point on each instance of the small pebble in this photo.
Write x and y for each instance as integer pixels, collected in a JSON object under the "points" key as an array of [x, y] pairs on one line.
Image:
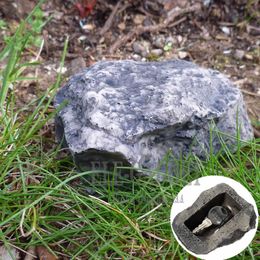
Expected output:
{"points": [[121, 26], [145, 54], [159, 42], [82, 38], [88, 27], [136, 57], [225, 30], [227, 52], [207, 3], [183, 54], [102, 40], [179, 39], [147, 21], [138, 48], [138, 19], [170, 39], [61, 70], [239, 54], [147, 45], [57, 15], [157, 52], [249, 56]]}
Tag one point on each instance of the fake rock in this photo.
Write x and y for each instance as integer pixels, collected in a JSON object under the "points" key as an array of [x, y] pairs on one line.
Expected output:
{"points": [[136, 112]]}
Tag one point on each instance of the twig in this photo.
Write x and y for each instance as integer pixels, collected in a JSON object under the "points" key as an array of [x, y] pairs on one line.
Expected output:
{"points": [[39, 52], [148, 213], [256, 133], [177, 22], [240, 82], [155, 236], [142, 10], [25, 252], [138, 30], [21, 225], [250, 93], [110, 19], [124, 7], [243, 81]]}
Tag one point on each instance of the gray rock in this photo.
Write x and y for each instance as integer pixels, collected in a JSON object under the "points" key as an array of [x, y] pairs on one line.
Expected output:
{"points": [[172, 40], [136, 112], [138, 48], [144, 54], [142, 48], [157, 52], [239, 54], [226, 30], [207, 2], [159, 42], [136, 57], [183, 54]]}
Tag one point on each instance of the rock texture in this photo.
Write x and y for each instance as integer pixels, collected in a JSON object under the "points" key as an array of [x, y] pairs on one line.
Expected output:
{"points": [[135, 112]]}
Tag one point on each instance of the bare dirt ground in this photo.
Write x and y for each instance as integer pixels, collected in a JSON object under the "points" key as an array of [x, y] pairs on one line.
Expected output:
{"points": [[224, 35]]}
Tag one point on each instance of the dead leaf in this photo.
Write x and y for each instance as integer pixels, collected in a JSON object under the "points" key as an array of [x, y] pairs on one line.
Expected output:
{"points": [[44, 254], [8, 254], [138, 19], [30, 254], [121, 26]]}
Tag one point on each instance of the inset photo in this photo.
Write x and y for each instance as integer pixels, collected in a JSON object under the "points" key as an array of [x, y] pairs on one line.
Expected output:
{"points": [[214, 218]]}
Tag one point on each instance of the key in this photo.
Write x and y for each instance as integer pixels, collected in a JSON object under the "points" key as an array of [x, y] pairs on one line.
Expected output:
{"points": [[217, 216], [205, 224]]}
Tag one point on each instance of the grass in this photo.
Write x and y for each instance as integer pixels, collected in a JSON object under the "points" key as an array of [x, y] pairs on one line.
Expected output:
{"points": [[44, 200]]}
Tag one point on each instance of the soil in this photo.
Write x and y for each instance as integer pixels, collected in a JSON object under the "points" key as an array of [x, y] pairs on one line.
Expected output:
{"points": [[223, 35]]}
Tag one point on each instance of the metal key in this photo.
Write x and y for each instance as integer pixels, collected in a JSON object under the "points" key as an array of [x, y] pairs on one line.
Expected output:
{"points": [[217, 216]]}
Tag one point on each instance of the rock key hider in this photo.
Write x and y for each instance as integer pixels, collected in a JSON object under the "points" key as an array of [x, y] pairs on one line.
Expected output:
{"points": [[136, 111]]}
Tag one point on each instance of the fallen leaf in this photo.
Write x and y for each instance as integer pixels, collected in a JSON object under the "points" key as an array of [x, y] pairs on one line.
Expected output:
{"points": [[85, 8], [30, 254], [121, 26], [44, 254], [8, 253]]}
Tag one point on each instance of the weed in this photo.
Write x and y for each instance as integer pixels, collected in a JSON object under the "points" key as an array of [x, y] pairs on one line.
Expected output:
{"points": [[3, 25]]}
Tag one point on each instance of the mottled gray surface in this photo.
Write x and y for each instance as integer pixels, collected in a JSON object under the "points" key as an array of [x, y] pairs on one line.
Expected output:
{"points": [[243, 220], [136, 112]]}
